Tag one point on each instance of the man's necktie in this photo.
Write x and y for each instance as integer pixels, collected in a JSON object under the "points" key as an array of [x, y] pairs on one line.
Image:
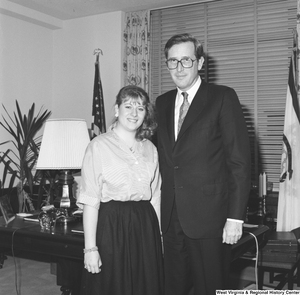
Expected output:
{"points": [[183, 110]]}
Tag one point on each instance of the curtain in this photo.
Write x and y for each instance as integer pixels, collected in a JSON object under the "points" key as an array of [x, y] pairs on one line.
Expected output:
{"points": [[136, 44]]}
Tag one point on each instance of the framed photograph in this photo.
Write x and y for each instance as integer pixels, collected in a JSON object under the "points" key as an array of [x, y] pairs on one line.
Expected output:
{"points": [[6, 209]]}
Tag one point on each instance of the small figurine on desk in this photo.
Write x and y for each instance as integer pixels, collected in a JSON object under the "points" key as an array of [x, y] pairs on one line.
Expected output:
{"points": [[50, 215], [47, 217]]}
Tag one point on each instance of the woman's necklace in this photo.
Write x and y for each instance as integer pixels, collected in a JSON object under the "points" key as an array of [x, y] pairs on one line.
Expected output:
{"points": [[132, 148]]}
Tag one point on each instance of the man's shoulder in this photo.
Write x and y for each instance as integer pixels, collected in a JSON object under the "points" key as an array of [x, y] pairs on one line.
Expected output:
{"points": [[217, 92], [166, 95], [219, 87]]}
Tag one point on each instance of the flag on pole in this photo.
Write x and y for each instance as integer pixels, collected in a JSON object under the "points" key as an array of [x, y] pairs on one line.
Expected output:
{"points": [[98, 124], [288, 216]]}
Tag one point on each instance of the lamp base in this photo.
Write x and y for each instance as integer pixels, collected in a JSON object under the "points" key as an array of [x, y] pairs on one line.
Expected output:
{"points": [[66, 220], [65, 197], [64, 215]]}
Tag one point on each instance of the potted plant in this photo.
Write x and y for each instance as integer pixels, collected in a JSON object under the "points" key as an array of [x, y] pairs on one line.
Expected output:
{"points": [[20, 161]]}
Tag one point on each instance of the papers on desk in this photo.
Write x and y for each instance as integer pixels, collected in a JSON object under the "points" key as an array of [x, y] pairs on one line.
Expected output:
{"points": [[78, 212], [78, 229], [23, 214], [33, 217], [248, 225]]}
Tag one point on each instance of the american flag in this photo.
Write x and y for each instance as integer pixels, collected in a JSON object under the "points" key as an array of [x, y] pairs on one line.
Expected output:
{"points": [[98, 124]]}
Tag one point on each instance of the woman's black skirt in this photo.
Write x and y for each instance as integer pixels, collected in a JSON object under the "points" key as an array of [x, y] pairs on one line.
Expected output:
{"points": [[129, 243]]}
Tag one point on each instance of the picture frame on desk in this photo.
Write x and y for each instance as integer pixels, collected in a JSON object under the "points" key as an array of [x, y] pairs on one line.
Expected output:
{"points": [[6, 209]]}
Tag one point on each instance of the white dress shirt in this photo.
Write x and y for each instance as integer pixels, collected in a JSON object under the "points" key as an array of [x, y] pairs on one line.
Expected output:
{"points": [[179, 100], [111, 171]]}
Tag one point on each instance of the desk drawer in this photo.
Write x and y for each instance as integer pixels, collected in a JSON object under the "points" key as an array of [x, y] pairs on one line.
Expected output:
{"points": [[281, 247], [56, 248], [273, 256]]}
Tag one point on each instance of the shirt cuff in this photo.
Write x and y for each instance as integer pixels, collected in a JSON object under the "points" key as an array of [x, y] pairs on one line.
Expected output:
{"points": [[236, 220]]}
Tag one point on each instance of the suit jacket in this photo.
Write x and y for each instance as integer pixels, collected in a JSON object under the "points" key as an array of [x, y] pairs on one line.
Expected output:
{"points": [[206, 171]]}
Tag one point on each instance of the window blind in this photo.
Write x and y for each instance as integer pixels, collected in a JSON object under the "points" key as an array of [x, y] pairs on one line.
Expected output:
{"points": [[247, 44]]}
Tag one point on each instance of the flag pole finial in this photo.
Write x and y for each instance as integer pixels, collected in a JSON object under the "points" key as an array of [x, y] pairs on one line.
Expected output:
{"points": [[97, 51]]}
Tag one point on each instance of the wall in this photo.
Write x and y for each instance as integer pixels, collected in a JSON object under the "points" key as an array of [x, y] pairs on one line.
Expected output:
{"points": [[26, 58], [74, 65], [51, 63], [55, 68]]}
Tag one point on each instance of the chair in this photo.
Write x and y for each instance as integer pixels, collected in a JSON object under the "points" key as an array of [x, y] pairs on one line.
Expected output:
{"points": [[287, 271]]}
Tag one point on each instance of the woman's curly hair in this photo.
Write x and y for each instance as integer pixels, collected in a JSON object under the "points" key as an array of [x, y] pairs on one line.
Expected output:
{"points": [[147, 129]]}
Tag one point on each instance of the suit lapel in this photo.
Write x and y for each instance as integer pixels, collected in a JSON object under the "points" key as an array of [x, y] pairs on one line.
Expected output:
{"points": [[167, 119], [195, 109], [170, 117]]}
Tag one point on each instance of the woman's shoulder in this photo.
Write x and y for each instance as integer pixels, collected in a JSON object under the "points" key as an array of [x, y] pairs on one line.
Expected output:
{"points": [[150, 151], [102, 139], [149, 147], [148, 143]]}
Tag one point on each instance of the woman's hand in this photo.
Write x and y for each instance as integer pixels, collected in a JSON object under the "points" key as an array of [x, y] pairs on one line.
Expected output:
{"points": [[92, 262], [92, 259]]}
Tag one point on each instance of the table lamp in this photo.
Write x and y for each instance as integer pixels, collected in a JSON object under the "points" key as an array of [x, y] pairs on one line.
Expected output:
{"points": [[62, 149]]}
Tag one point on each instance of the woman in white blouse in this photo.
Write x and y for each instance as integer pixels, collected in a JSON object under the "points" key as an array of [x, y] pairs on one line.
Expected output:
{"points": [[120, 197]]}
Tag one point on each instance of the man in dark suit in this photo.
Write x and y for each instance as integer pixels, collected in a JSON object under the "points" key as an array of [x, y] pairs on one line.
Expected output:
{"points": [[205, 167]]}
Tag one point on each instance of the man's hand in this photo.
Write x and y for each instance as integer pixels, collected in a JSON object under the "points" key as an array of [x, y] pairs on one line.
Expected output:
{"points": [[232, 232]]}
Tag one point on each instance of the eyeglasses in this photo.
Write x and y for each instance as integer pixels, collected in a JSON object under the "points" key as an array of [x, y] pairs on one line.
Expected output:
{"points": [[186, 62]]}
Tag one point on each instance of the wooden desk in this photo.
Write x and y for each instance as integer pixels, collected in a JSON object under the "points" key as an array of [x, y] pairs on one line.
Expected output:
{"points": [[61, 243], [28, 236], [68, 246], [247, 242]]}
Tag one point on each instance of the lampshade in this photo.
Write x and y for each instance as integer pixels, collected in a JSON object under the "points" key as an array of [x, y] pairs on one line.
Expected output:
{"points": [[63, 144], [63, 148]]}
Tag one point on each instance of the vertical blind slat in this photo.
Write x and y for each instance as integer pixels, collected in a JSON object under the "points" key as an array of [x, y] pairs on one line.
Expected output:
{"points": [[248, 45]]}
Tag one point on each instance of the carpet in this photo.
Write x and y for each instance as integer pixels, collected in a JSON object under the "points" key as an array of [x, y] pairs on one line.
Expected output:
{"points": [[27, 275], [242, 277]]}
